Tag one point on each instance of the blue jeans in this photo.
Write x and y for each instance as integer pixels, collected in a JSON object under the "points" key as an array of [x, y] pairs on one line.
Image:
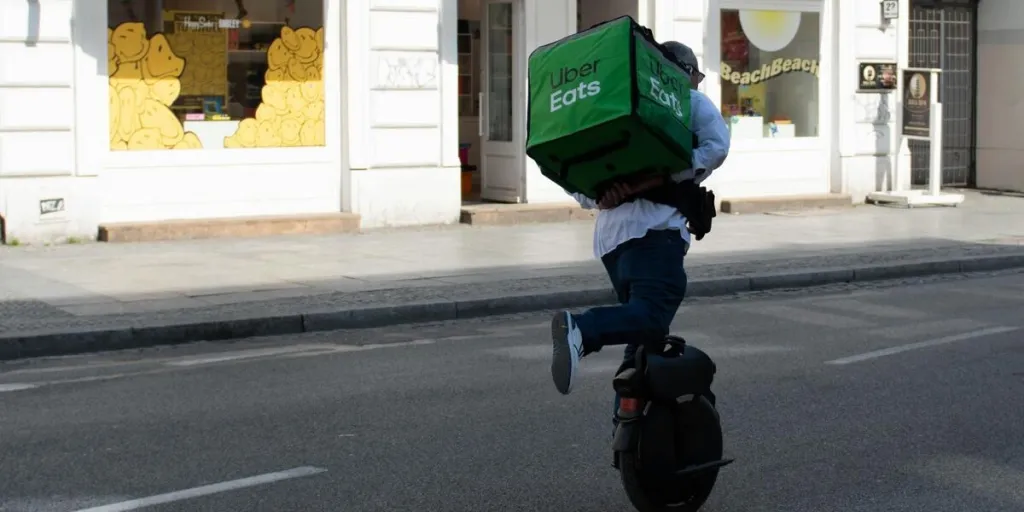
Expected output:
{"points": [[650, 283]]}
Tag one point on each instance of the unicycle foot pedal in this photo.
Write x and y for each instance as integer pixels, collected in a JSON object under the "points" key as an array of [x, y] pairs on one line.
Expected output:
{"points": [[700, 468]]}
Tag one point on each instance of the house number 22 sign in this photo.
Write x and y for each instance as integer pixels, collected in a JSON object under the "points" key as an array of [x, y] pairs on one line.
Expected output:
{"points": [[890, 9]]}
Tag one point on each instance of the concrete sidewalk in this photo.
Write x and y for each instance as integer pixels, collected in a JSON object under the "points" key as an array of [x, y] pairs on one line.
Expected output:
{"points": [[74, 298]]}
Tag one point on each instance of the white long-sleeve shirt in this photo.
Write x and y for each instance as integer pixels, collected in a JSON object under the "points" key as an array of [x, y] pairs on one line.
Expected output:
{"points": [[633, 219]]}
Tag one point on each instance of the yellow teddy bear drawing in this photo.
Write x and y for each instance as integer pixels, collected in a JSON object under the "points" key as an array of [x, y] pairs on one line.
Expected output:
{"points": [[207, 53], [291, 113], [144, 82]]}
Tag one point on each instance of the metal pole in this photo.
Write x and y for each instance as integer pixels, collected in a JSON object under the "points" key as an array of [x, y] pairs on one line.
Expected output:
{"points": [[935, 147], [936, 179]]}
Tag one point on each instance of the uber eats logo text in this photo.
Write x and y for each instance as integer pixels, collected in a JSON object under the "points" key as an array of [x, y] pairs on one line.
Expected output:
{"points": [[667, 89], [567, 76]]}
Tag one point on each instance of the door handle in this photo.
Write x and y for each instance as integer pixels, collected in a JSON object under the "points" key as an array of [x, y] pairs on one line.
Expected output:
{"points": [[480, 116]]}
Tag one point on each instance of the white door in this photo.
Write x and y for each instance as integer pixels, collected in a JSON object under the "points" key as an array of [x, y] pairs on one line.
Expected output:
{"points": [[502, 109]]}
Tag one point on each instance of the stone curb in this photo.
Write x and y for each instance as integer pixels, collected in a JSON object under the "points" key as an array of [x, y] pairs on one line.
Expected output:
{"points": [[18, 345]]}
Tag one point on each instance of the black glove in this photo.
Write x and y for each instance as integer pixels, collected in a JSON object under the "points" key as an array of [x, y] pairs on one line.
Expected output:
{"points": [[695, 202]]}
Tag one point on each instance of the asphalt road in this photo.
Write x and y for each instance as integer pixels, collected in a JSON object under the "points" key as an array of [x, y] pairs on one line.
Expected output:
{"points": [[896, 396]]}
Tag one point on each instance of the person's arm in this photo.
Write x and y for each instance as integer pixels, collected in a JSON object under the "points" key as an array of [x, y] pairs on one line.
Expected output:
{"points": [[713, 139], [584, 201]]}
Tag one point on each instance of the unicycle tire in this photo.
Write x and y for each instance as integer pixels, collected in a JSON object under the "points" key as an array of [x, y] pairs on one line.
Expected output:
{"points": [[698, 440]]}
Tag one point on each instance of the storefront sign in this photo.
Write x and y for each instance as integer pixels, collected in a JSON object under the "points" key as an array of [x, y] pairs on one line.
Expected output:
{"points": [[777, 67], [876, 77], [916, 104], [195, 21]]}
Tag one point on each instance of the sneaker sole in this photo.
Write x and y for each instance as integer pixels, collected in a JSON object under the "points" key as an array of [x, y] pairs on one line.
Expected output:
{"points": [[561, 360]]}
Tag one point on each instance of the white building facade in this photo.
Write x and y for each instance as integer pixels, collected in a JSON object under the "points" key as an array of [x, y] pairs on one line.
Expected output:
{"points": [[136, 111], [1000, 148], [833, 139]]}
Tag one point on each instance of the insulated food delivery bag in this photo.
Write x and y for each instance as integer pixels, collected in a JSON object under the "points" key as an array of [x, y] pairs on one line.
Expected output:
{"points": [[607, 103]]}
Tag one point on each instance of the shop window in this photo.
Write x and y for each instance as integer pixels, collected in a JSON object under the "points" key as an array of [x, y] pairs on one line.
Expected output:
{"points": [[769, 73], [215, 74]]}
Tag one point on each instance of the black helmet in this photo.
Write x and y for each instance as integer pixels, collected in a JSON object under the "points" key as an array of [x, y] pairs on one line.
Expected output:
{"points": [[682, 54]]}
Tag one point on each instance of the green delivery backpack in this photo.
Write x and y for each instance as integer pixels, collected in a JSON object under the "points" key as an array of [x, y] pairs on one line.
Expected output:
{"points": [[604, 104]]}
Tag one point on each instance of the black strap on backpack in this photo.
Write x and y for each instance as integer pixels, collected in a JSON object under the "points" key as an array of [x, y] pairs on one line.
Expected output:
{"points": [[695, 202]]}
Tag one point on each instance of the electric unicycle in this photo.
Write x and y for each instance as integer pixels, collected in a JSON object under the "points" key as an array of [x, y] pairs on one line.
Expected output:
{"points": [[668, 438]]}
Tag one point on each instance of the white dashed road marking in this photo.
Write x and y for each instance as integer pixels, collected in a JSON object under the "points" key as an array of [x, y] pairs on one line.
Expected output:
{"points": [[207, 490], [923, 344], [806, 316], [930, 329], [870, 309], [245, 354]]}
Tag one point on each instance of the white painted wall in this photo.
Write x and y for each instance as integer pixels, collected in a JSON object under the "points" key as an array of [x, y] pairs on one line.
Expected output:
{"points": [[403, 122], [872, 156], [1000, 110], [37, 120]]}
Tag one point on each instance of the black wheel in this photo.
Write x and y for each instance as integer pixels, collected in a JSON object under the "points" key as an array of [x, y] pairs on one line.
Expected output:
{"points": [[698, 440]]}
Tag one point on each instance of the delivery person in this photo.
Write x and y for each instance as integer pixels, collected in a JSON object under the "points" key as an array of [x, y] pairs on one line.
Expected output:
{"points": [[641, 244]]}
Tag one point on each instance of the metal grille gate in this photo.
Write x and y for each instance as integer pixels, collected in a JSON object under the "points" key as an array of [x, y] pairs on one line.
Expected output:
{"points": [[943, 35]]}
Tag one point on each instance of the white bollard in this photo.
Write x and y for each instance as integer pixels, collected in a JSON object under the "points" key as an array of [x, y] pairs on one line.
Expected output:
{"points": [[935, 150]]}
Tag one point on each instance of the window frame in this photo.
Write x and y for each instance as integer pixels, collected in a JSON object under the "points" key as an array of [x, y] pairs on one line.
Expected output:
{"points": [[713, 58], [129, 160]]}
